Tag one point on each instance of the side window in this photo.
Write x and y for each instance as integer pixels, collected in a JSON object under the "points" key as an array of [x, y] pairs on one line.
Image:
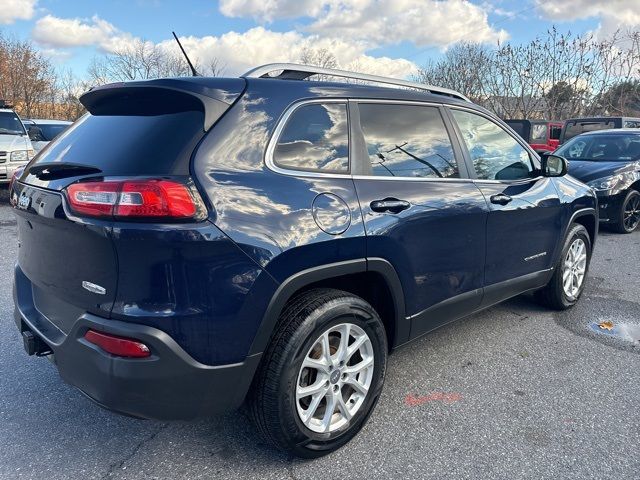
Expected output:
{"points": [[555, 132], [539, 131], [315, 138], [496, 155], [407, 141]]}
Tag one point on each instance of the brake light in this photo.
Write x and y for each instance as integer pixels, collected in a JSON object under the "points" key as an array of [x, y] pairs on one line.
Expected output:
{"points": [[120, 346], [18, 171], [146, 198]]}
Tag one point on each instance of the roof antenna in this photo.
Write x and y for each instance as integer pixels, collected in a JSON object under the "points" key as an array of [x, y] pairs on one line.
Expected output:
{"points": [[193, 70]]}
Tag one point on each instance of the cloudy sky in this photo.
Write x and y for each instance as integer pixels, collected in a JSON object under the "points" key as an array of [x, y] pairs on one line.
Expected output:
{"points": [[379, 36]]}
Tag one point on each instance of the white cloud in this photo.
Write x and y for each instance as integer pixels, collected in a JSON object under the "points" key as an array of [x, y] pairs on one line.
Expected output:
{"points": [[613, 14], [239, 52], [12, 10], [380, 22], [269, 10], [76, 32]]}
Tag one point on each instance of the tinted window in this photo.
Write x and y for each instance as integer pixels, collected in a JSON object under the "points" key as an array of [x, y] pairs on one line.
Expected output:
{"points": [[315, 138], [555, 132], [576, 128], [518, 127], [407, 141], [10, 124], [605, 148], [129, 144], [496, 155], [52, 130]]}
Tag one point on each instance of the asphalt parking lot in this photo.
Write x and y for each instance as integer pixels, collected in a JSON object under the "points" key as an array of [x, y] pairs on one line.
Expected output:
{"points": [[514, 392]]}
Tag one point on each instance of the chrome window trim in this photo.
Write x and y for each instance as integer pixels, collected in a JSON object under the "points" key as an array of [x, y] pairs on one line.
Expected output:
{"points": [[273, 141]]}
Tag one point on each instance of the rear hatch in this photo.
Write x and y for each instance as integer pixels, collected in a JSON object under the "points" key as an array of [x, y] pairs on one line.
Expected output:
{"points": [[136, 139]]}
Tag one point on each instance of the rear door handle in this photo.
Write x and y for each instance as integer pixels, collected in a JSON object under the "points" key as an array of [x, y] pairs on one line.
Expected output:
{"points": [[392, 205], [500, 199]]}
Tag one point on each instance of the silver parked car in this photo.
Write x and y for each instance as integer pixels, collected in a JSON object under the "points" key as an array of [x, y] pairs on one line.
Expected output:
{"points": [[42, 131], [15, 146]]}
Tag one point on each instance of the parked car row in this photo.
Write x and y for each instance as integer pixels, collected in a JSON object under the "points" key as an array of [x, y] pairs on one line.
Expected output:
{"points": [[21, 139], [603, 152], [546, 136]]}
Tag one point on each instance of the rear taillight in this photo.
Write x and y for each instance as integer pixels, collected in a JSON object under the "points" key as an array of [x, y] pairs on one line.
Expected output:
{"points": [[144, 198], [120, 346], [15, 176]]}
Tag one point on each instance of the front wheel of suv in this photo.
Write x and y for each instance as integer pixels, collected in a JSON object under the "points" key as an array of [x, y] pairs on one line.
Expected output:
{"points": [[629, 214], [566, 285], [321, 375]]}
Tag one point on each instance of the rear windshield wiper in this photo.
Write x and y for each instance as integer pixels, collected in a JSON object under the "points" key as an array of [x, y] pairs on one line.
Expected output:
{"points": [[51, 171]]}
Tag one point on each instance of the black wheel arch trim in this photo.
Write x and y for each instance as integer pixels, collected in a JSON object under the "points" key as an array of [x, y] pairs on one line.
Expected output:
{"points": [[294, 283], [584, 212]]}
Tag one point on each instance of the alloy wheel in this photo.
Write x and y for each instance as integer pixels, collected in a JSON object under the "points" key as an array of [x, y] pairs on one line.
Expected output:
{"points": [[574, 268], [335, 378], [631, 215]]}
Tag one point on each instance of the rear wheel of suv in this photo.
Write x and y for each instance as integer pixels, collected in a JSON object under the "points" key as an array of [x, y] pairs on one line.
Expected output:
{"points": [[629, 215], [322, 373], [566, 285]]}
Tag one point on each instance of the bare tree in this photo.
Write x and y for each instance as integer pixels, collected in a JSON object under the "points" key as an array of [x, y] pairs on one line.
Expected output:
{"points": [[554, 76], [319, 57], [465, 68], [27, 78], [139, 61]]}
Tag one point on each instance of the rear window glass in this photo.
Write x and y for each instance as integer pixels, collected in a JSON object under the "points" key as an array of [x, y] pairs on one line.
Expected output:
{"points": [[576, 128], [315, 138], [129, 144], [51, 131]]}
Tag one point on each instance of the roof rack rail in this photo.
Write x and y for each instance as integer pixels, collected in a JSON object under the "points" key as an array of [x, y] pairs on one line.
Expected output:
{"points": [[294, 71]]}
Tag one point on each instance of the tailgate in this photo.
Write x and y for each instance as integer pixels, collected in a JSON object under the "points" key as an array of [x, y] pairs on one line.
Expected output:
{"points": [[58, 255]]}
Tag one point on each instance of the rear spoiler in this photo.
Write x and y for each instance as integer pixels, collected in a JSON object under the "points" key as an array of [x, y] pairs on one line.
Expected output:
{"points": [[212, 96]]}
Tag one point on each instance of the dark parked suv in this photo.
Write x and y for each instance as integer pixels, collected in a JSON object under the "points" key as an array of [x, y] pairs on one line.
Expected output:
{"points": [[192, 243]]}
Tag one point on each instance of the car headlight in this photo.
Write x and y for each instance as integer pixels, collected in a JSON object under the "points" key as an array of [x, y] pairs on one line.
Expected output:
{"points": [[614, 182], [22, 155]]}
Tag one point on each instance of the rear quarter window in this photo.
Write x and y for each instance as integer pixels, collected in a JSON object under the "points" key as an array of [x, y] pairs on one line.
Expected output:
{"points": [[315, 138]]}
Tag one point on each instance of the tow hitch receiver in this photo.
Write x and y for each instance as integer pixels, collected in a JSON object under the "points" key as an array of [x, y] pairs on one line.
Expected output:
{"points": [[34, 345]]}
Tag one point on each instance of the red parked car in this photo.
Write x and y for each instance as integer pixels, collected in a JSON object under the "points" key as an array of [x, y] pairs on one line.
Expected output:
{"points": [[542, 135]]}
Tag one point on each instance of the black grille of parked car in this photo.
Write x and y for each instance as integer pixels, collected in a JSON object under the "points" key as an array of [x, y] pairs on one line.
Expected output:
{"points": [[3, 157]]}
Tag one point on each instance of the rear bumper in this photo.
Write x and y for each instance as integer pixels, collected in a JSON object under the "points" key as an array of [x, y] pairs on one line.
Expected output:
{"points": [[168, 385]]}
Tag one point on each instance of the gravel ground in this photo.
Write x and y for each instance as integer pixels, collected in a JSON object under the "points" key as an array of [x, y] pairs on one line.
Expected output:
{"points": [[514, 392]]}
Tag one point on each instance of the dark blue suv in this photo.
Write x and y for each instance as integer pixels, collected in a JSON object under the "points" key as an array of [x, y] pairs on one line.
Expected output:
{"points": [[193, 243]]}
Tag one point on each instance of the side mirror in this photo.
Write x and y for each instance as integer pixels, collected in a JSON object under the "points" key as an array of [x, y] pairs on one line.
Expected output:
{"points": [[33, 134], [554, 165]]}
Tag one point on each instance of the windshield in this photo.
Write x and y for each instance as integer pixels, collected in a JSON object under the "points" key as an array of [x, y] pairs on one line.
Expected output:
{"points": [[10, 124], [602, 148]]}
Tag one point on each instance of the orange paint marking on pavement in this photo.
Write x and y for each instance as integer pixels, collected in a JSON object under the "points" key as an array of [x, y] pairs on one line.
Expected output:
{"points": [[417, 400]]}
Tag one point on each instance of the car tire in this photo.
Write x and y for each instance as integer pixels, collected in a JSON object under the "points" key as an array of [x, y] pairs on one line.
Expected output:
{"points": [[299, 424], [567, 283], [629, 214]]}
